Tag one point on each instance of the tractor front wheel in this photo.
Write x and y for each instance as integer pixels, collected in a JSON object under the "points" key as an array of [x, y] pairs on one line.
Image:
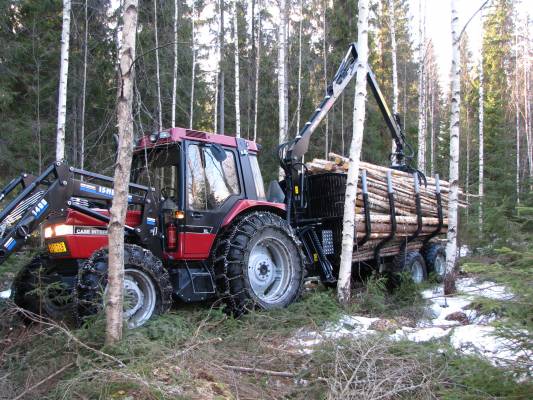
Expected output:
{"points": [[410, 264], [147, 288], [258, 264]]}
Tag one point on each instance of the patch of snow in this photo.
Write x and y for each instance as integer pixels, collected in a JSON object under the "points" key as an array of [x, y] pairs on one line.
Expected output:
{"points": [[6, 294], [464, 251], [420, 334]]}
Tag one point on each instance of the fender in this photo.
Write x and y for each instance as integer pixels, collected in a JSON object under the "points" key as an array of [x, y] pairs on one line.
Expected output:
{"points": [[249, 205]]}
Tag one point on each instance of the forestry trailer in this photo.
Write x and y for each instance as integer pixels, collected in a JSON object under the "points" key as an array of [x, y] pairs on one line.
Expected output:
{"points": [[199, 225]]}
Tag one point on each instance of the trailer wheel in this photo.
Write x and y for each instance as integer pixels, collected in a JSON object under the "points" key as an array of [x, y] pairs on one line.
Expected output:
{"points": [[147, 288], [435, 256], [410, 262], [258, 263], [36, 290]]}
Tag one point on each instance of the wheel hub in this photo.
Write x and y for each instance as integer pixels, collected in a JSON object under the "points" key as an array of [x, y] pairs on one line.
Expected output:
{"points": [[133, 297], [140, 297], [440, 265], [417, 272]]}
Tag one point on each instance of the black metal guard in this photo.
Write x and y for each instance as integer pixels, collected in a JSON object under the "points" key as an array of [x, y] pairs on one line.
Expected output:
{"points": [[418, 216], [368, 224], [439, 211], [313, 246], [392, 209]]}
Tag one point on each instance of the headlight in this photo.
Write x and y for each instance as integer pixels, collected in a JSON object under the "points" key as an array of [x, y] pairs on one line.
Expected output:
{"points": [[62, 230], [58, 230], [48, 232]]}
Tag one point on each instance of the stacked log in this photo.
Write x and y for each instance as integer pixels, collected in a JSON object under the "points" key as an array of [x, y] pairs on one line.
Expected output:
{"points": [[403, 185]]}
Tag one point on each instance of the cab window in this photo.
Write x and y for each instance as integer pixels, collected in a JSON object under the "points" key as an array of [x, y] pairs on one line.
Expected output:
{"points": [[210, 182]]}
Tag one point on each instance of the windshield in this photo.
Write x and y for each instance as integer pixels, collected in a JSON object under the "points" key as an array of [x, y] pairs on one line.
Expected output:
{"points": [[157, 167]]}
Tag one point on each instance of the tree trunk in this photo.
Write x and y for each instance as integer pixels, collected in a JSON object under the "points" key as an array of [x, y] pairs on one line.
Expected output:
{"points": [[394, 64], [282, 48], [348, 226], [325, 60], [114, 296], [193, 72], [221, 74], [299, 104], [421, 98], [63, 79], [84, 90], [175, 70], [237, 73], [257, 67], [481, 145], [517, 121], [451, 245], [157, 76]]}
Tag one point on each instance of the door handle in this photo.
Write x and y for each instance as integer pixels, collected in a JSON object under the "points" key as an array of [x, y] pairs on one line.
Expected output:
{"points": [[197, 215]]}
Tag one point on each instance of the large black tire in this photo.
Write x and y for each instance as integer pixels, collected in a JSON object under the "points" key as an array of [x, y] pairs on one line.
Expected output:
{"points": [[258, 263], [144, 275], [41, 292], [435, 257], [409, 263]]}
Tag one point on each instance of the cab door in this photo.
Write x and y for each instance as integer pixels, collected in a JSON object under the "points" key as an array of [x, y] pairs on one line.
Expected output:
{"points": [[212, 187]]}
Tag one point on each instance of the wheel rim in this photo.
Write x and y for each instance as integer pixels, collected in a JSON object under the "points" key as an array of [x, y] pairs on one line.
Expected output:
{"points": [[269, 269], [139, 297], [417, 272], [440, 265]]}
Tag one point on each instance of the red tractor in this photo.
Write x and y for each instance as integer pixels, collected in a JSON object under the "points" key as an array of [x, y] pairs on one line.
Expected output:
{"points": [[199, 224]]}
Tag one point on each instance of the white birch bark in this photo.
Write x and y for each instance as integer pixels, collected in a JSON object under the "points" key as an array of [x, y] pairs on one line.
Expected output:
{"points": [[257, 68], [114, 295], [175, 69], [237, 73], [221, 94], [193, 72], [348, 226], [481, 139], [157, 77], [394, 64], [84, 89], [63, 79], [421, 98], [282, 47], [299, 104], [432, 133], [517, 120], [527, 104], [451, 244], [325, 60]]}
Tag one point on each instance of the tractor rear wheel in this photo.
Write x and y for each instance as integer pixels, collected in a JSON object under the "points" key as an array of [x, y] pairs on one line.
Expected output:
{"points": [[38, 290], [147, 288], [435, 256], [258, 263], [410, 263]]}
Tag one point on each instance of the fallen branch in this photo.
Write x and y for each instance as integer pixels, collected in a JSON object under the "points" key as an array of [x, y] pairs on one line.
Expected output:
{"points": [[33, 387], [285, 374]]}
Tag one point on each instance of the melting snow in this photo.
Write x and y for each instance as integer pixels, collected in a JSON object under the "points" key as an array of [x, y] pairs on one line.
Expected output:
{"points": [[477, 336], [5, 294]]}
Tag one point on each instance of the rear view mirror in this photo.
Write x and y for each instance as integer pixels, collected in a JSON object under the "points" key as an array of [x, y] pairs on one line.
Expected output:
{"points": [[218, 152]]}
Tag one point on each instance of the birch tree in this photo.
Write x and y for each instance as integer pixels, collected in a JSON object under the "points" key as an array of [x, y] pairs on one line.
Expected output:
{"points": [[392, 17], [451, 244], [221, 70], [481, 140], [63, 79], [282, 76], [115, 290], [348, 225], [157, 76], [257, 67], [193, 72], [175, 69], [325, 61], [84, 88], [237, 73], [421, 96], [299, 104]]}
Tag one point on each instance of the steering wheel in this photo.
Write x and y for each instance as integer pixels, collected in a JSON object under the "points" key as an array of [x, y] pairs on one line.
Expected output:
{"points": [[167, 190]]}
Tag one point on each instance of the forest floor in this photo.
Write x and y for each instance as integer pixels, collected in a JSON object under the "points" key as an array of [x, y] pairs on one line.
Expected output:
{"points": [[412, 343]]}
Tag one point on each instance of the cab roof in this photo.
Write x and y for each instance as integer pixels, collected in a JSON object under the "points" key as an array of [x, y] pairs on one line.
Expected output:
{"points": [[177, 135]]}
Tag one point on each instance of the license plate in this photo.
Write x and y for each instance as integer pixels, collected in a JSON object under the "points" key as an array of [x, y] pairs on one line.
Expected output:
{"points": [[58, 247]]}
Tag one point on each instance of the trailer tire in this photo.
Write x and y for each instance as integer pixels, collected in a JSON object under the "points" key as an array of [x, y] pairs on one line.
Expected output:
{"points": [[410, 262], [258, 263], [435, 257], [33, 289], [146, 284]]}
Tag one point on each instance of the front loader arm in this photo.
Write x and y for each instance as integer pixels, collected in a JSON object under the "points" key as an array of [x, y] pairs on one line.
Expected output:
{"points": [[52, 191]]}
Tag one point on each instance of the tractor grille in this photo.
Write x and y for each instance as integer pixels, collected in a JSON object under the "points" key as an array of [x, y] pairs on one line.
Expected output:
{"points": [[325, 195]]}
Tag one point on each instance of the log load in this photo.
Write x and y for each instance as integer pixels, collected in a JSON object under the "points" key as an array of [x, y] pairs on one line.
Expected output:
{"points": [[403, 185]]}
